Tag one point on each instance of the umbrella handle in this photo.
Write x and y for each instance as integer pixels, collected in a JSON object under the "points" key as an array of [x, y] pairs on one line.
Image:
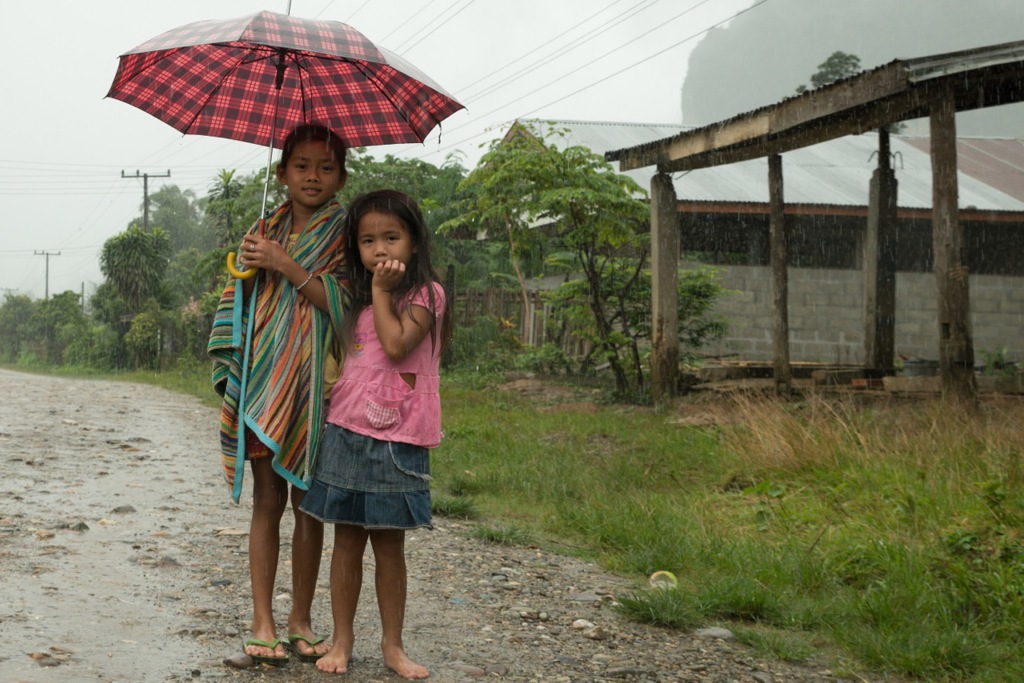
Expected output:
{"points": [[235, 272], [232, 262]]}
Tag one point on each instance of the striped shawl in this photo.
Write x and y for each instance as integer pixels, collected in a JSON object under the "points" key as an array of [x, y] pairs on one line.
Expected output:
{"points": [[273, 385]]}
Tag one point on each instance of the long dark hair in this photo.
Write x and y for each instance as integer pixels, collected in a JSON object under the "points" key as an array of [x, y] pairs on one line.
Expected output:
{"points": [[419, 272]]}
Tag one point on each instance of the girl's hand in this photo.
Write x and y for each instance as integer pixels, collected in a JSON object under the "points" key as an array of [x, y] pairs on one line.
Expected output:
{"points": [[387, 275], [259, 252]]}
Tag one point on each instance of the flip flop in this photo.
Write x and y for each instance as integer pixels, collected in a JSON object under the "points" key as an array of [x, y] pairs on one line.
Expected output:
{"points": [[264, 659], [303, 656]]}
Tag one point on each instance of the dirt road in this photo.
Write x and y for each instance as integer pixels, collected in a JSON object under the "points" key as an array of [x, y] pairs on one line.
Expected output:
{"points": [[123, 560]]}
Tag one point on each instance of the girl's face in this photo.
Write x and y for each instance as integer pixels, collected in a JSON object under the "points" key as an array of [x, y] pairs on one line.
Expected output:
{"points": [[382, 237], [312, 174]]}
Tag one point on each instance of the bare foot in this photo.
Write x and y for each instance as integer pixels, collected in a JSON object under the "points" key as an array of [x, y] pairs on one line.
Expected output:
{"points": [[335, 661], [399, 662]]}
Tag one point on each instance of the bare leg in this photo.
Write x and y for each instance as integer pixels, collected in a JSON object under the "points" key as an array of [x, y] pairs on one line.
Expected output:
{"points": [[389, 552], [346, 582], [269, 496], [307, 546]]}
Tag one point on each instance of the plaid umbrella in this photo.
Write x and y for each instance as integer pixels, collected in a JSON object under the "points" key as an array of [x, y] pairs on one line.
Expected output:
{"points": [[256, 77]]}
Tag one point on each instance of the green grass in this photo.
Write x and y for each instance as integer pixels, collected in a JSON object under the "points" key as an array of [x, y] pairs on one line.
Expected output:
{"points": [[889, 536], [884, 538]]}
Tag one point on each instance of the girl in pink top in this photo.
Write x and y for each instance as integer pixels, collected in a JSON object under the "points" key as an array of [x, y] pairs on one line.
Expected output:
{"points": [[372, 479]]}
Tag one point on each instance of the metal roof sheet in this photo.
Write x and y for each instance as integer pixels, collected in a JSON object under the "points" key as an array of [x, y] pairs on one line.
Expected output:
{"points": [[997, 162], [836, 172]]}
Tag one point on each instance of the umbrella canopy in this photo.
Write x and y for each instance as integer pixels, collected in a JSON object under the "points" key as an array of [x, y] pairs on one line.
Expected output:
{"points": [[256, 77]]}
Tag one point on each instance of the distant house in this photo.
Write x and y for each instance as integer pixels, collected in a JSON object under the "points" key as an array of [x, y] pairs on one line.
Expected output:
{"points": [[723, 219]]}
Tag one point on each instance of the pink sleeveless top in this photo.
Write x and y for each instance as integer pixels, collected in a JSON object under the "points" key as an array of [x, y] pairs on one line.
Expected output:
{"points": [[372, 399]]}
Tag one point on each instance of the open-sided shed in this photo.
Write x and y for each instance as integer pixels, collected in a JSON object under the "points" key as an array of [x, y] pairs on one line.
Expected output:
{"points": [[934, 86]]}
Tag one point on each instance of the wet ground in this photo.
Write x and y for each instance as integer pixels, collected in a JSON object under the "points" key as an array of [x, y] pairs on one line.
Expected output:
{"points": [[123, 560]]}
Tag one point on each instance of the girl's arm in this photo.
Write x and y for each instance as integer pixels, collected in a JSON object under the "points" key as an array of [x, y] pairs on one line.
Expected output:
{"points": [[270, 255], [399, 333]]}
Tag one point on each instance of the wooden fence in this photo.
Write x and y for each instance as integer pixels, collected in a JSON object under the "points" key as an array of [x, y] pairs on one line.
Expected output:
{"points": [[505, 305]]}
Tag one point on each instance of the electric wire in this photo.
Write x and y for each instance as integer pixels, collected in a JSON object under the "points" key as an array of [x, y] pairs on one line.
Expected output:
{"points": [[405, 47], [461, 141]]}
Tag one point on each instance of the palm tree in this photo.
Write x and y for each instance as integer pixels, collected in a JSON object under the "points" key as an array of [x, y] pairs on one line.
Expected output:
{"points": [[134, 262], [221, 206]]}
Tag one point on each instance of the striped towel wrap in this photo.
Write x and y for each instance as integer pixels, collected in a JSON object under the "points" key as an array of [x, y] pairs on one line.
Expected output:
{"points": [[273, 385]]}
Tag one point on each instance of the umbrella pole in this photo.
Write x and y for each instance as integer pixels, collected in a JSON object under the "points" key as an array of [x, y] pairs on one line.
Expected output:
{"points": [[245, 273], [278, 82]]}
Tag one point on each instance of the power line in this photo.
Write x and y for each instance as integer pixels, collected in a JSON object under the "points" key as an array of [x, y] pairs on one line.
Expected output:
{"points": [[593, 34], [457, 143], [47, 254], [426, 27], [457, 13], [145, 192]]}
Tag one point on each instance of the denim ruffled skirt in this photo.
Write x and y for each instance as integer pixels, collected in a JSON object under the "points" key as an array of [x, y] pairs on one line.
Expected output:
{"points": [[369, 483]]}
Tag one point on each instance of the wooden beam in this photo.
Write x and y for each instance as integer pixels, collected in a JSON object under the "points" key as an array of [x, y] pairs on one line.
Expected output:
{"points": [[956, 348], [879, 264], [780, 277], [908, 105], [664, 288]]}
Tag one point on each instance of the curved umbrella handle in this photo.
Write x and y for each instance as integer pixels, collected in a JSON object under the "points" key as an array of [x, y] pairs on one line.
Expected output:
{"points": [[235, 272], [232, 263]]}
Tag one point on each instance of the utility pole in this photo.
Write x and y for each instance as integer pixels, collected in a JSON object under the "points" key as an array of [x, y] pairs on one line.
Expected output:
{"points": [[47, 254], [145, 191]]}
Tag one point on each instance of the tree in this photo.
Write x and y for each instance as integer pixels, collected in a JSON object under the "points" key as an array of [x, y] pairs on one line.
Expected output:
{"points": [[838, 66], [221, 207], [627, 290], [56, 324], [134, 262], [502, 197], [525, 188], [16, 326], [179, 214]]}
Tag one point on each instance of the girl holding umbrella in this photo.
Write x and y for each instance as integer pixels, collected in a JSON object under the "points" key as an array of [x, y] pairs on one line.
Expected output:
{"points": [[271, 342]]}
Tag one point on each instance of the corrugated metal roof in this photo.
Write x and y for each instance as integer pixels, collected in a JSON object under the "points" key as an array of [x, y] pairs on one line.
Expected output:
{"points": [[997, 162], [836, 172]]}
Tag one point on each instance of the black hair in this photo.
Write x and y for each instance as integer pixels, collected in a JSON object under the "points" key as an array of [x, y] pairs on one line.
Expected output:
{"points": [[419, 271], [314, 132]]}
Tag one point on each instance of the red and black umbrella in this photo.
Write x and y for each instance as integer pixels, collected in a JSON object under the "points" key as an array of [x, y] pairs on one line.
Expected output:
{"points": [[256, 77]]}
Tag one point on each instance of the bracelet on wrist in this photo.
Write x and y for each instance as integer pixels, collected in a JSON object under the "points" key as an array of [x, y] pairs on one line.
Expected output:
{"points": [[304, 282]]}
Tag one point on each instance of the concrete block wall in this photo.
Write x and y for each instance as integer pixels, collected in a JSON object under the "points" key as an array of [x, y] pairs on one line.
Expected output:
{"points": [[826, 316]]}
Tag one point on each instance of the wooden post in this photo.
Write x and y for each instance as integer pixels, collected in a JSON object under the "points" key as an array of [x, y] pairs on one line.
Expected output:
{"points": [[664, 288], [780, 278], [879, 263], [956, 348]]}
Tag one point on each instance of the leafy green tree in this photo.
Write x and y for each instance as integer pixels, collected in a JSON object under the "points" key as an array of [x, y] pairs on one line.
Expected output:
{"points": [[502, 199], [418, 179], [526, 188], [221, 207], [56, 323], [838, 66], [179, 214], [134, 262], [111, 312], [16, 332], [145, 336]]}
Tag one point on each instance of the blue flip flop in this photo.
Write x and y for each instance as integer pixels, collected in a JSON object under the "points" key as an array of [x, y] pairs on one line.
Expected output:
{"points": [[264, 659]]}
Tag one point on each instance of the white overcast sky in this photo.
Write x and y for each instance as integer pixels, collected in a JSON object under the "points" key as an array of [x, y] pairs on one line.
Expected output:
{"points": [[65, 146]]}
